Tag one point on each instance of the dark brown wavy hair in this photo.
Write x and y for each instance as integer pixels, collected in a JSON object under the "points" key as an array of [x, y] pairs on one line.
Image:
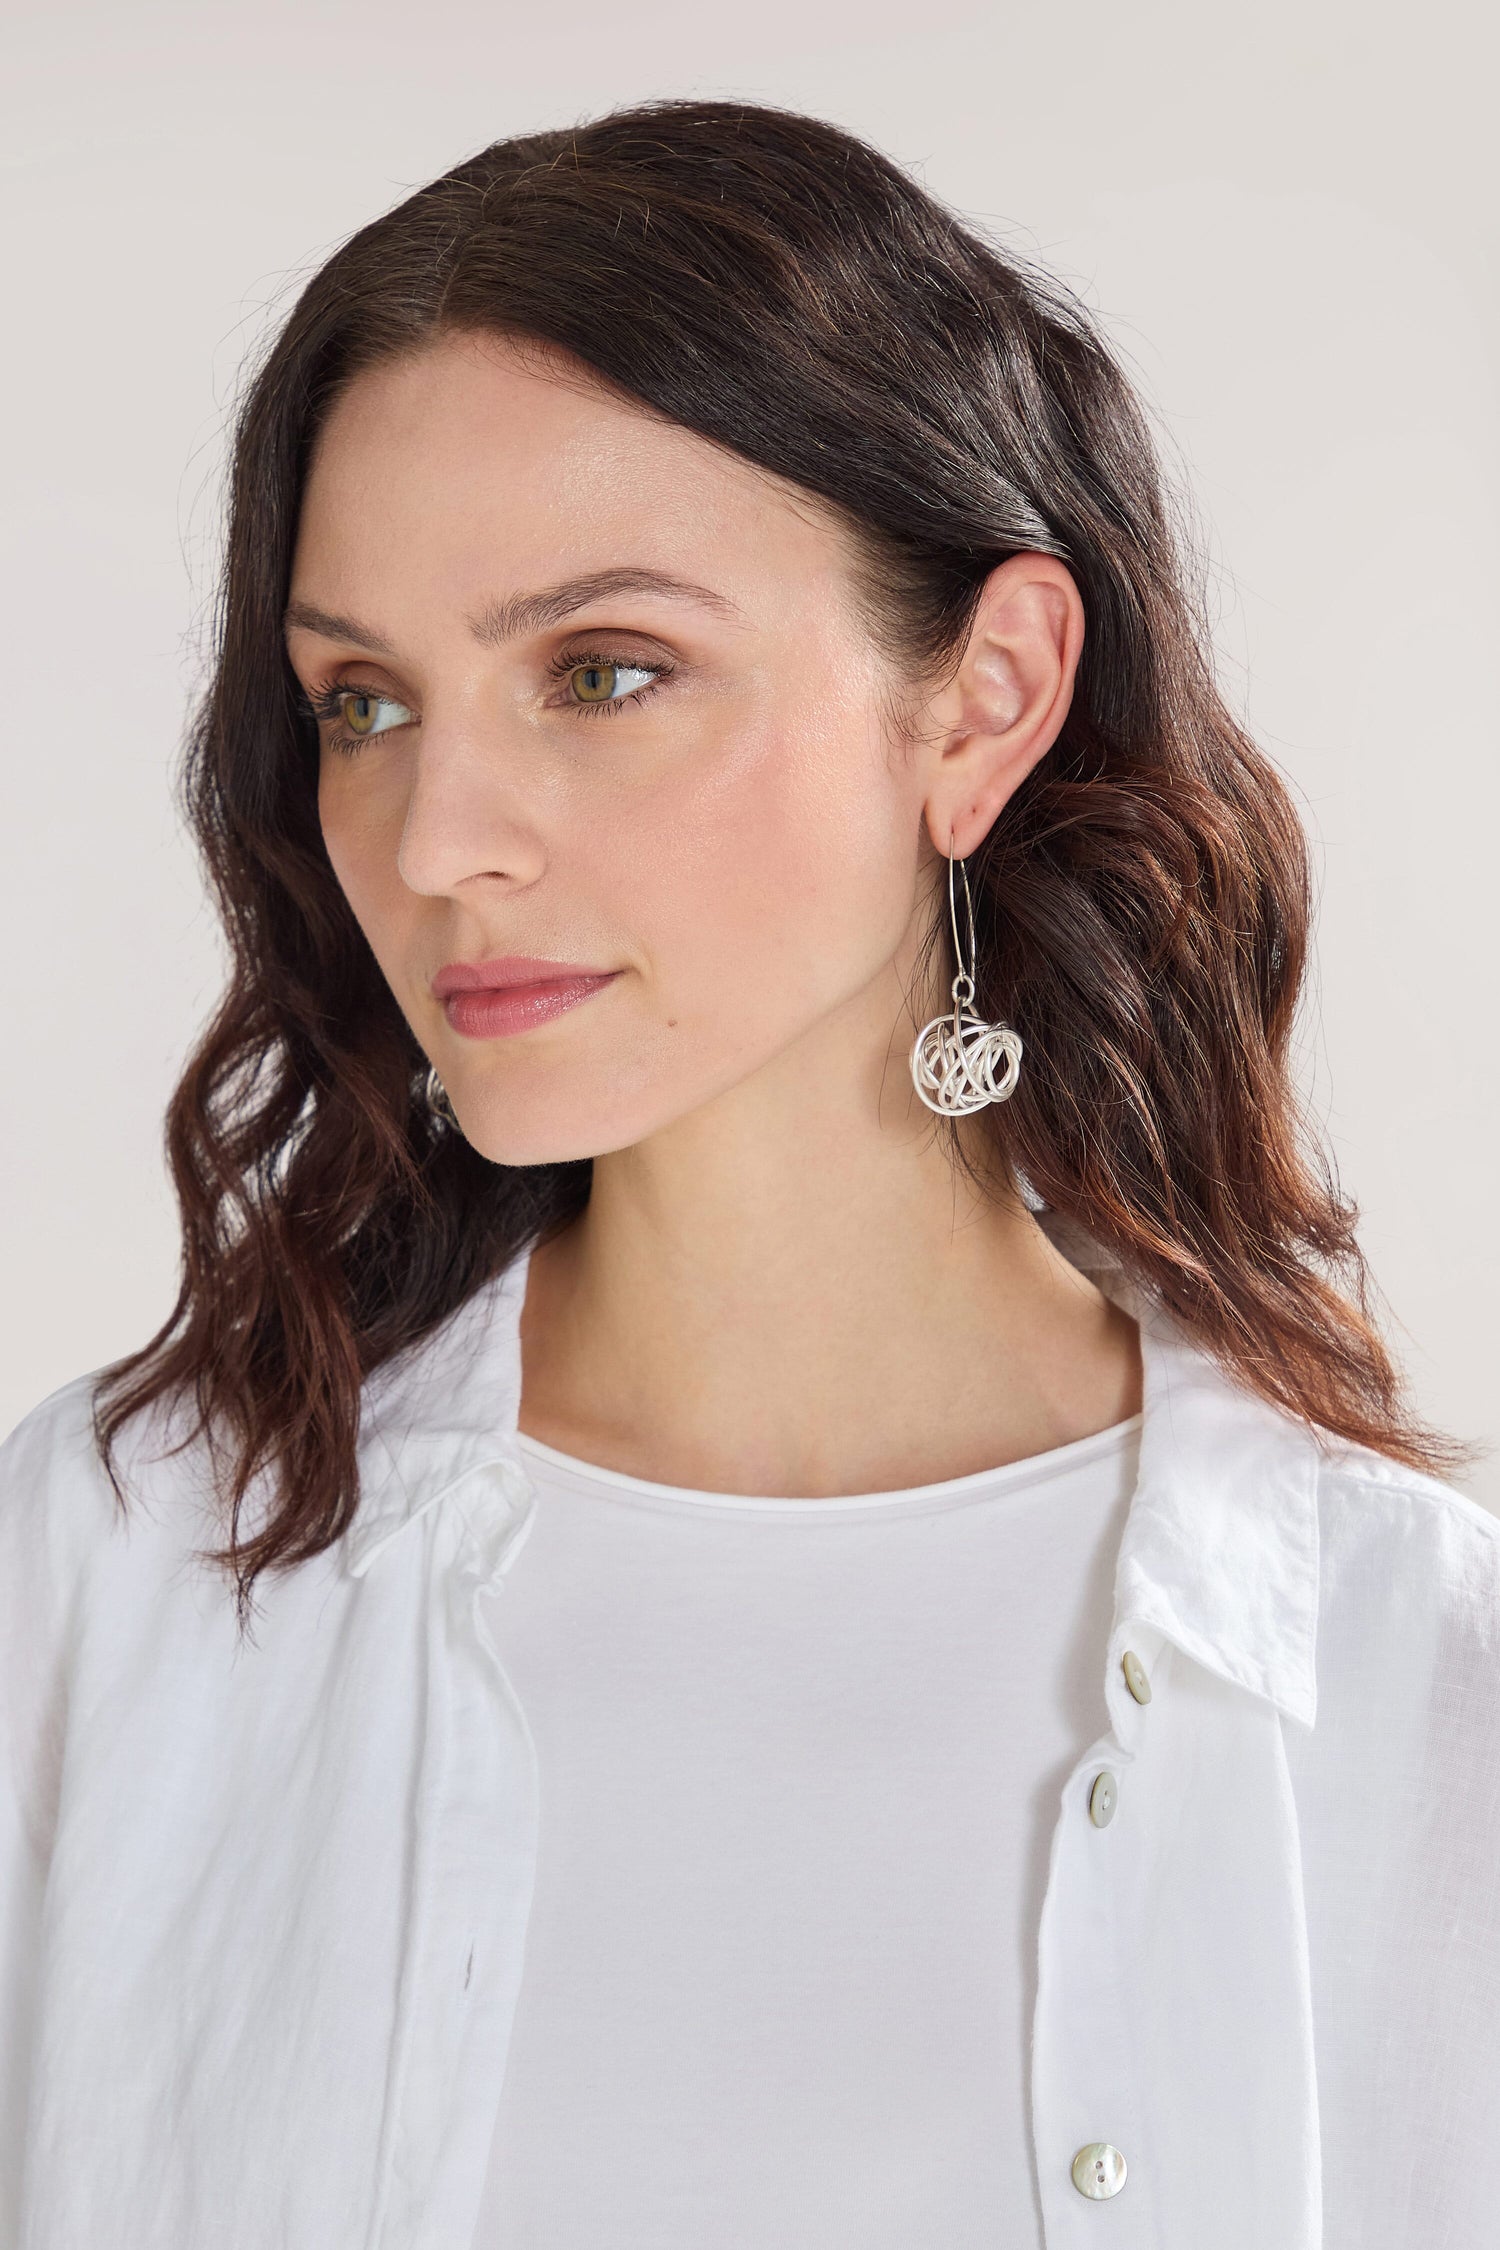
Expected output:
{"points": [[1141, 904]]}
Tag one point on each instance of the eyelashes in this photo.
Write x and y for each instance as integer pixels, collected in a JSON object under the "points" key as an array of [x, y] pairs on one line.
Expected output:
{"points": [[594, 662], [325, 703], [605, 682]]}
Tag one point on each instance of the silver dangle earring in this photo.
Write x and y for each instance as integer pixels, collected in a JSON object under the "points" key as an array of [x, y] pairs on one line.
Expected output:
{"points": [[961, 1063], [435, 1094]]}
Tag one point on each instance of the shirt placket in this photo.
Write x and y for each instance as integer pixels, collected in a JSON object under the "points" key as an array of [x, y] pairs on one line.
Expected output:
{"points": [[473, 1876], [1088, 2123], [1174, 2089]]}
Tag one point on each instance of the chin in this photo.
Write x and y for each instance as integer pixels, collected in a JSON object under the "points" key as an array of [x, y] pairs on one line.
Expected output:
{"points": [[502, 1144], [506, 1138]]}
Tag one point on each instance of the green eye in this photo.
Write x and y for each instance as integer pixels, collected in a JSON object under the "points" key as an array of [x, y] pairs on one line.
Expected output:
{"points": [[364, 712], [607, 683], [358, 711], [593, 683]]}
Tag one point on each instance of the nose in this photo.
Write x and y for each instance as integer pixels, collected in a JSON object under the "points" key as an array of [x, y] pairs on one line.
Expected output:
{"points": [[465, 817]]}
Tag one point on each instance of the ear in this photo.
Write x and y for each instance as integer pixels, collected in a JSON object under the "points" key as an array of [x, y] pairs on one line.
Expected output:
{"points": [[1003, 707]]}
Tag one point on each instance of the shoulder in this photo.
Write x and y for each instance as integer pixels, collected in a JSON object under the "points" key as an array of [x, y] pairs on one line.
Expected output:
{"points": [[55, 1513], [1397, 1810], [1409, 1573], [1371, 1505], [59, 1507], [52, 1481], [69, 1542]]}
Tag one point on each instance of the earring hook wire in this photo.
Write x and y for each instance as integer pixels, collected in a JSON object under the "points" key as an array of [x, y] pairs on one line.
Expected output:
{"points": [[965, 976]]}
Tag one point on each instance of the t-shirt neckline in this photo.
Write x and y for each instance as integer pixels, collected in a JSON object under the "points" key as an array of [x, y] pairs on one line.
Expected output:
{"points": [[1035, 1468]]}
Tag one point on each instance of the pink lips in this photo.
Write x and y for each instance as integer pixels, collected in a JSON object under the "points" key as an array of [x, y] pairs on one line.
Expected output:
{"points": [[488, 999]]}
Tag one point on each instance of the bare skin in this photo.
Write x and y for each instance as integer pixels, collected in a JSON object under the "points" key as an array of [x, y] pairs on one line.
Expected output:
{"points": [[780, 1284]]}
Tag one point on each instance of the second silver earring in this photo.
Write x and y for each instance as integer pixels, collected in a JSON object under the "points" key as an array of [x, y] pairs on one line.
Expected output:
{"points": [[435, 1094]]}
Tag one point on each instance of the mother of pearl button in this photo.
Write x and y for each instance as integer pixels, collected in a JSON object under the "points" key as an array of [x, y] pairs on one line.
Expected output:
{"points": [[1098, 2170], [1135, 1676]]}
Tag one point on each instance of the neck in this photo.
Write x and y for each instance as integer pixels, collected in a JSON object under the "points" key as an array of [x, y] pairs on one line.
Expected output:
{"points": [[796, 1290]]}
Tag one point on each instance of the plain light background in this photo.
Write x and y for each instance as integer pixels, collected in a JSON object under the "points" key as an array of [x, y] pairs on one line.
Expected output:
{"points": [[1285, 218]]}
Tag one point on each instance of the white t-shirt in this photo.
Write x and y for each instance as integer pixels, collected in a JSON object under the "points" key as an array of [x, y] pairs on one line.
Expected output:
{"points": [[779, 1972]]}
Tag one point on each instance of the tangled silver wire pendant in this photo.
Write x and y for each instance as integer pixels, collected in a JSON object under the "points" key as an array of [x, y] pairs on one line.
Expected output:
{"points": [[961, 1063]]}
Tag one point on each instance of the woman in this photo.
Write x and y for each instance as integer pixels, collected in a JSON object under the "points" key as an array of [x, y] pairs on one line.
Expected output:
{"points": [[856, 1643]]}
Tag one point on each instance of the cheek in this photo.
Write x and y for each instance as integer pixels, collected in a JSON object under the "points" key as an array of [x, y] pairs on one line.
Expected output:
{"points": [[361, 835], [778, 879]]}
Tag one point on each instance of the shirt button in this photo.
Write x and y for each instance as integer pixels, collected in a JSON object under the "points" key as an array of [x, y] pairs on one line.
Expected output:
{"points": [[1102, 1799], [1135, 1676], [1098, 2171]]}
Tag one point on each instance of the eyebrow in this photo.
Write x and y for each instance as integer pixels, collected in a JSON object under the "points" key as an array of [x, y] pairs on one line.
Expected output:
{"points": [[501, 621]]}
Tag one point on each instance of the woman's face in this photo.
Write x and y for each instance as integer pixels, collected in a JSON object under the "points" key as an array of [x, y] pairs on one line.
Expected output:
{"points": [[599, 693]]}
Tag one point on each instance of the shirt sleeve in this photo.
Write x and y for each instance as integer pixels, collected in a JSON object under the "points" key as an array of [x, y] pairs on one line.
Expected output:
{"points": [[42, 1469], [1398, 1795]]}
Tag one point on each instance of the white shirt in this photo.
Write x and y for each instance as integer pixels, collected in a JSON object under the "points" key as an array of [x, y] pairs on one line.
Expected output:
{"points": [[263, 1909], [800, 1766]]}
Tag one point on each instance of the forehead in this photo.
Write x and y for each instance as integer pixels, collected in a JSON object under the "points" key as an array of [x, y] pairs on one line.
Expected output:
{"points": [[475, 456]]}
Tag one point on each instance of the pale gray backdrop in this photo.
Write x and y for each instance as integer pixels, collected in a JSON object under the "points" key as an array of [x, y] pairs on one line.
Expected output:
{"points": [[1284, 214]]}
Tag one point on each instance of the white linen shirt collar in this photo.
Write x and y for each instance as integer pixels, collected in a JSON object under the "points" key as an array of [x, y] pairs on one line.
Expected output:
{"points": [[1220, 1547]]}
